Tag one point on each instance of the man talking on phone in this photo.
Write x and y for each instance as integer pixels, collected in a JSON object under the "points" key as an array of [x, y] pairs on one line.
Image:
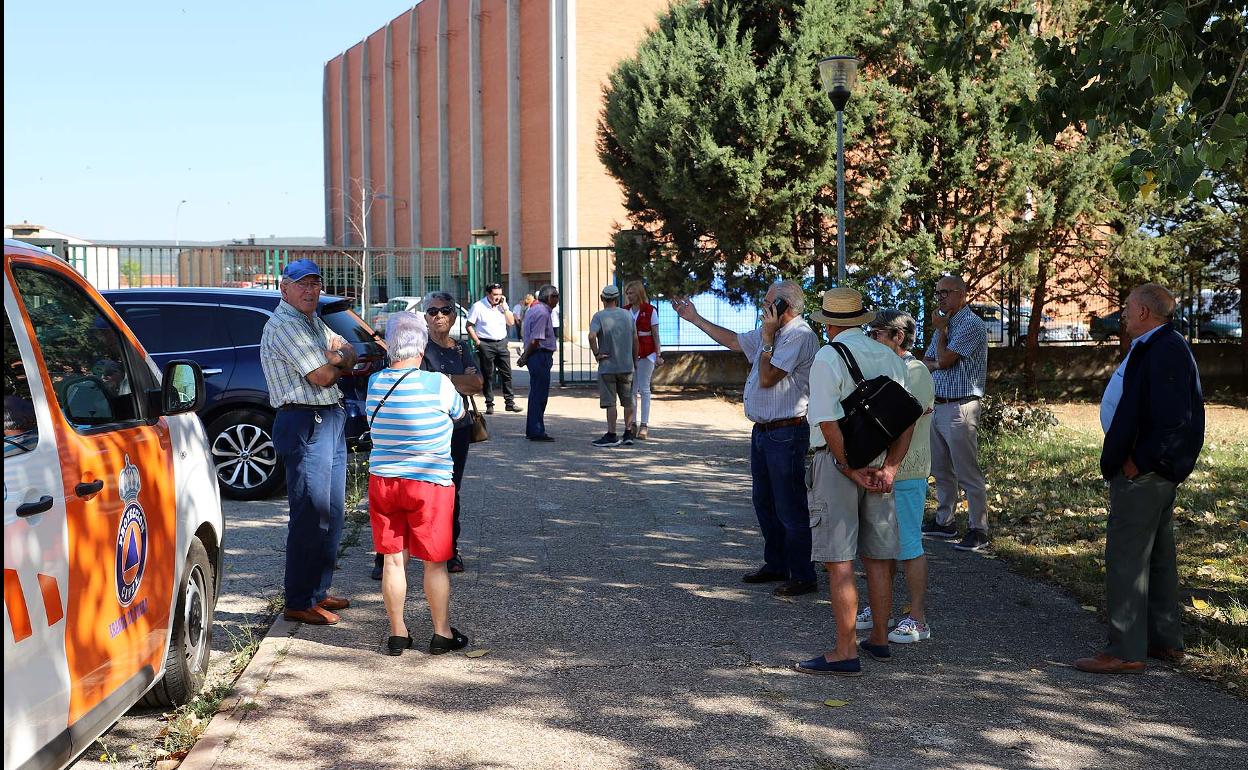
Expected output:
{"points": [[777, 393], [487, 326], [958, 361]]}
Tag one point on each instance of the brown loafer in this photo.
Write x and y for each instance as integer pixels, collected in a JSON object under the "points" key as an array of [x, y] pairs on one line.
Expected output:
{"points": [[334, 603], [1167, 655], [1108, 664], [313, 616]]}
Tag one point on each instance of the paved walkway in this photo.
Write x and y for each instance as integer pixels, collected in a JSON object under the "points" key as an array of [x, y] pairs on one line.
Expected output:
{"points": [[606, 586]]}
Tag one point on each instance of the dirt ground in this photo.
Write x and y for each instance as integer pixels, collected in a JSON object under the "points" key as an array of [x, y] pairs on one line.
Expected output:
{"points": [[1225, 423]]}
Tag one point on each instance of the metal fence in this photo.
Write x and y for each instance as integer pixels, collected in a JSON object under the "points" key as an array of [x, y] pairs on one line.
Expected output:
{"points": [[347, 272]]}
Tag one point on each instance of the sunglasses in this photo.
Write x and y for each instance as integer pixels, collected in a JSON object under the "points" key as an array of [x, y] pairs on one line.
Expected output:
{"points": [[440, 311]]}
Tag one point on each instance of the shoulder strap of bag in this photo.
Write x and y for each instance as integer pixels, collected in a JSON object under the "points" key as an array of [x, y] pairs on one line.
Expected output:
{"points": [[383, 398], [854, 371]]}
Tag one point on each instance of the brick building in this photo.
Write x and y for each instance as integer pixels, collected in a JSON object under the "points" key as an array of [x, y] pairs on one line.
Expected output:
{"points": [[478, 114]]}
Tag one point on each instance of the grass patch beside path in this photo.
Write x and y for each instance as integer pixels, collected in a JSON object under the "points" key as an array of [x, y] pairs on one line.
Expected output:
{"points": [[1051, 505]]}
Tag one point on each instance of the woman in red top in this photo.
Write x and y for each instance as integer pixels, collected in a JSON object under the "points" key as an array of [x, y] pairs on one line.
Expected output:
{"points": [[649, 351]]}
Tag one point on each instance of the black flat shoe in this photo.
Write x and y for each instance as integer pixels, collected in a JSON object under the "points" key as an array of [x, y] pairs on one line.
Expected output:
{"points": [[440, 645], [395, 645]]}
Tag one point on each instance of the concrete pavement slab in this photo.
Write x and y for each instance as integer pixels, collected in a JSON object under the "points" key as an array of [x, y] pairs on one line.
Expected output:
{"points": [[605, 584]]}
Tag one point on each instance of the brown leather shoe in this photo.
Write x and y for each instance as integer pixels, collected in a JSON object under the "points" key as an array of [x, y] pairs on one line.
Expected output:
{"points": [[313, 616], [1108, 664], [1167, 655], [334, 603]]}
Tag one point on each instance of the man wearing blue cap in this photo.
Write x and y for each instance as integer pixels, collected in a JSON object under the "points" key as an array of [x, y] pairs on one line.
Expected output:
{"points": [[302, 361]]}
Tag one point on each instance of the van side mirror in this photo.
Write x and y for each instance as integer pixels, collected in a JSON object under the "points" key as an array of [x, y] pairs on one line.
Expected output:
{"points": [[182, 387]]}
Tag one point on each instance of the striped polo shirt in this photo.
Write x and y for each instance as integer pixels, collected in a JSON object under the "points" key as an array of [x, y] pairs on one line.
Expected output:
{"points": [[412, 430]]}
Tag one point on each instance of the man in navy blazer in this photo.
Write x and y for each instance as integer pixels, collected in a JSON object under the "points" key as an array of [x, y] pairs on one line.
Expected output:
{"points": [[1153, 415]]}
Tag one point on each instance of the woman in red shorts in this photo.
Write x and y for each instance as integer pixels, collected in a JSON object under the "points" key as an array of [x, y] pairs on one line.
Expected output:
{"points": [[411, 495]]}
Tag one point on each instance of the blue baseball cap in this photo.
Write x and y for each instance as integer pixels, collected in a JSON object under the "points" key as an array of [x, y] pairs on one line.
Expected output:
{"points": [[300, 269]]}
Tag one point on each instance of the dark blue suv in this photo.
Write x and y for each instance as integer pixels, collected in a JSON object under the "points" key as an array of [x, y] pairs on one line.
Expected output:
{"points": [[220, 330]]}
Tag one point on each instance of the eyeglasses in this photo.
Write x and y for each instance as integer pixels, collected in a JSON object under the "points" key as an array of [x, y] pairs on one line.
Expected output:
{"points": [[440, 311], [305, 285], [875, 334], [942, 293]]}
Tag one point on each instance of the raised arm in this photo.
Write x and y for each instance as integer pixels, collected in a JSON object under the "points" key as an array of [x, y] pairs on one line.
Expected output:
{"points": [[685, 309]]}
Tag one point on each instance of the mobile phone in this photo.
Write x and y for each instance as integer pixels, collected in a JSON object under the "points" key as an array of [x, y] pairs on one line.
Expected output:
{"points": [[781, 307]]}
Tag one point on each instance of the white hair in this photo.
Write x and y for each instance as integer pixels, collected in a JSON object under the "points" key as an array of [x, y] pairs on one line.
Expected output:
{"points": [[445, 296], [407, 334], [793, 294]]}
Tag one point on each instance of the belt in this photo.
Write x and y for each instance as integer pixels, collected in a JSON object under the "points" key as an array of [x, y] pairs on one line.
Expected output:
{"points": [[785, 423], [940, 400], [487, 339], [309, 406]]}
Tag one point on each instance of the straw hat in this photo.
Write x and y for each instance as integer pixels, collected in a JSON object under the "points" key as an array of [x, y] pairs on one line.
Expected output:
{"points": [[843, 307]]}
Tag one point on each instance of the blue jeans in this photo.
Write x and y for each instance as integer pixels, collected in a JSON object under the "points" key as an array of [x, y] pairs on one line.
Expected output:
{"points": [[778, 471], [539, 391], [315, 454]]}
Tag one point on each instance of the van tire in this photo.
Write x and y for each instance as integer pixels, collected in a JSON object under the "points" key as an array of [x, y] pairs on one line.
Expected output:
{"points": [[190, 645], [249, 430]]}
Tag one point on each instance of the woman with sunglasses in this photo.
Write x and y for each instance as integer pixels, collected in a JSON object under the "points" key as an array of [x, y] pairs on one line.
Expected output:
{"points": [[452, 358]]}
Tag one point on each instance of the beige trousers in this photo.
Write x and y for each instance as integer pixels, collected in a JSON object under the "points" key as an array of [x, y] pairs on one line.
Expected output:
{"points": [[955, 462]]}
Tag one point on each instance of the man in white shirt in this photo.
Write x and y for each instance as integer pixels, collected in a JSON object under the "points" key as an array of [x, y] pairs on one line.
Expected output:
{"points": [[851, 510], [487, 325]]}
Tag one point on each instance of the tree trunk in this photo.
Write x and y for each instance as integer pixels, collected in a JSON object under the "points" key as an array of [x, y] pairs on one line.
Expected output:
{"points": [[1243, 309], [1031, 356]]}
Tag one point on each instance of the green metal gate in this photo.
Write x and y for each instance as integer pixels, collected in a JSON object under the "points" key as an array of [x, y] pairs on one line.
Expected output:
{"points": [[582, 273], [485, 267]]}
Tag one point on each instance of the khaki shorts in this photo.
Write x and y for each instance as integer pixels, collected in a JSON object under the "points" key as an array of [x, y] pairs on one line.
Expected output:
{"points": [[613, 386], [845, 519]]}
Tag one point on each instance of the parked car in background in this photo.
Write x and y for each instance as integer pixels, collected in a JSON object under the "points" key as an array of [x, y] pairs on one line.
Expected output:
{"points": [[997, 320], [412, 305], [220, 329], [371, 313], [1211, 327]]}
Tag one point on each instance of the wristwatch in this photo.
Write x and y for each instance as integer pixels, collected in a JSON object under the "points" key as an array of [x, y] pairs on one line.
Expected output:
{"points": [[769, 348]]}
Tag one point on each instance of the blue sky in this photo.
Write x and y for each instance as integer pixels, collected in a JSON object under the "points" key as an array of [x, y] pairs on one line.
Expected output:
{"points": [[115, 112]]}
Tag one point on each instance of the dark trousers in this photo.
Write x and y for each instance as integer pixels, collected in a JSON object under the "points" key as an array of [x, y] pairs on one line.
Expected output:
{"points": [[778, 472], [539, 364], [493, 354], [1141, 578], [315, 454], [461, 439]]}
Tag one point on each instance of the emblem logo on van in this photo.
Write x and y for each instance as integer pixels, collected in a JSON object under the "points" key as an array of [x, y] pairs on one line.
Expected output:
{"points": [[131, 536]]}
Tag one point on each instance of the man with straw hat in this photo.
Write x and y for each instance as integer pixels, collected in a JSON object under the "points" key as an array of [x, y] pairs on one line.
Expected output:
{"points": [[776, 394], [851, 510]]}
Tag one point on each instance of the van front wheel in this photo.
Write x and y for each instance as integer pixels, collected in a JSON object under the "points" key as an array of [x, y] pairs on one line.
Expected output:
{"points": [[186, 663]]}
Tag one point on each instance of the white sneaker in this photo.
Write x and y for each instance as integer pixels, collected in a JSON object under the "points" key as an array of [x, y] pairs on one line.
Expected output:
{"points": [[864, 621], [909, 630]]}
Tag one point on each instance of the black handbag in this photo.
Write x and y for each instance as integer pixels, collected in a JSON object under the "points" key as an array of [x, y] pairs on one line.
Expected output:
{"points": [[876, 413]]}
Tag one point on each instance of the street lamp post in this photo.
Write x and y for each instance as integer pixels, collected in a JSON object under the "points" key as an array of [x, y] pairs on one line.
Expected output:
{"points": [[177, 213], [839, 74]]}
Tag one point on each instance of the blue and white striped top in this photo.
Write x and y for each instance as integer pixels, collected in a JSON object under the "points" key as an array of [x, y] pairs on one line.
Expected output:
{"points": [[412, 432]]}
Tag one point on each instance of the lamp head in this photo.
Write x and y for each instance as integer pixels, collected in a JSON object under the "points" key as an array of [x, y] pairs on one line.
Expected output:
{"points": [[839, 74]]}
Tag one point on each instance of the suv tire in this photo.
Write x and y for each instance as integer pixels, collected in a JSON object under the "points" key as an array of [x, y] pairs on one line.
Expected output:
{"points": [[246, 462], [190, 645]]}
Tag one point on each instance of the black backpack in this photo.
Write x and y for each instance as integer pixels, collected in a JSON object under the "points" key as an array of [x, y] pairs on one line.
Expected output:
{"points": [[876, 413]]}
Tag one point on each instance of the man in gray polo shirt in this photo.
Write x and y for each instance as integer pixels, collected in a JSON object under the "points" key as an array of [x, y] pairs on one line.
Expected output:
{"points": [[958, 360], [776, 395], [613, 341]]}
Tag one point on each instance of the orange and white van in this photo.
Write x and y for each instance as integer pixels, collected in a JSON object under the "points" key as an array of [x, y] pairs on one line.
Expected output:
{"points": [[112, 519]]}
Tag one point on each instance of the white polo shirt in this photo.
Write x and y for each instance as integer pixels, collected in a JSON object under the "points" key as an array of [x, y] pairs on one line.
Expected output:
{"points": [[490, 322]]}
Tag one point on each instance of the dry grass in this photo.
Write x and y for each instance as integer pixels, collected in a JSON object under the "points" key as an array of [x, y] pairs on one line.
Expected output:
{"points": [[1051, 504]]}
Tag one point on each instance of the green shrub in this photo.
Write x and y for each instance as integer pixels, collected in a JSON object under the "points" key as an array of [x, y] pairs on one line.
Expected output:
{"points": [[999, 417]]}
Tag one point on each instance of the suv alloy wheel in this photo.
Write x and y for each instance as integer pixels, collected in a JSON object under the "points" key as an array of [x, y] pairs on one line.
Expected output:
{"points": [[246, 462]]}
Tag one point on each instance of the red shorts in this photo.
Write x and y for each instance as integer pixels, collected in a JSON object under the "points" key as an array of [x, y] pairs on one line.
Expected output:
{"points": [[412, 515]]}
